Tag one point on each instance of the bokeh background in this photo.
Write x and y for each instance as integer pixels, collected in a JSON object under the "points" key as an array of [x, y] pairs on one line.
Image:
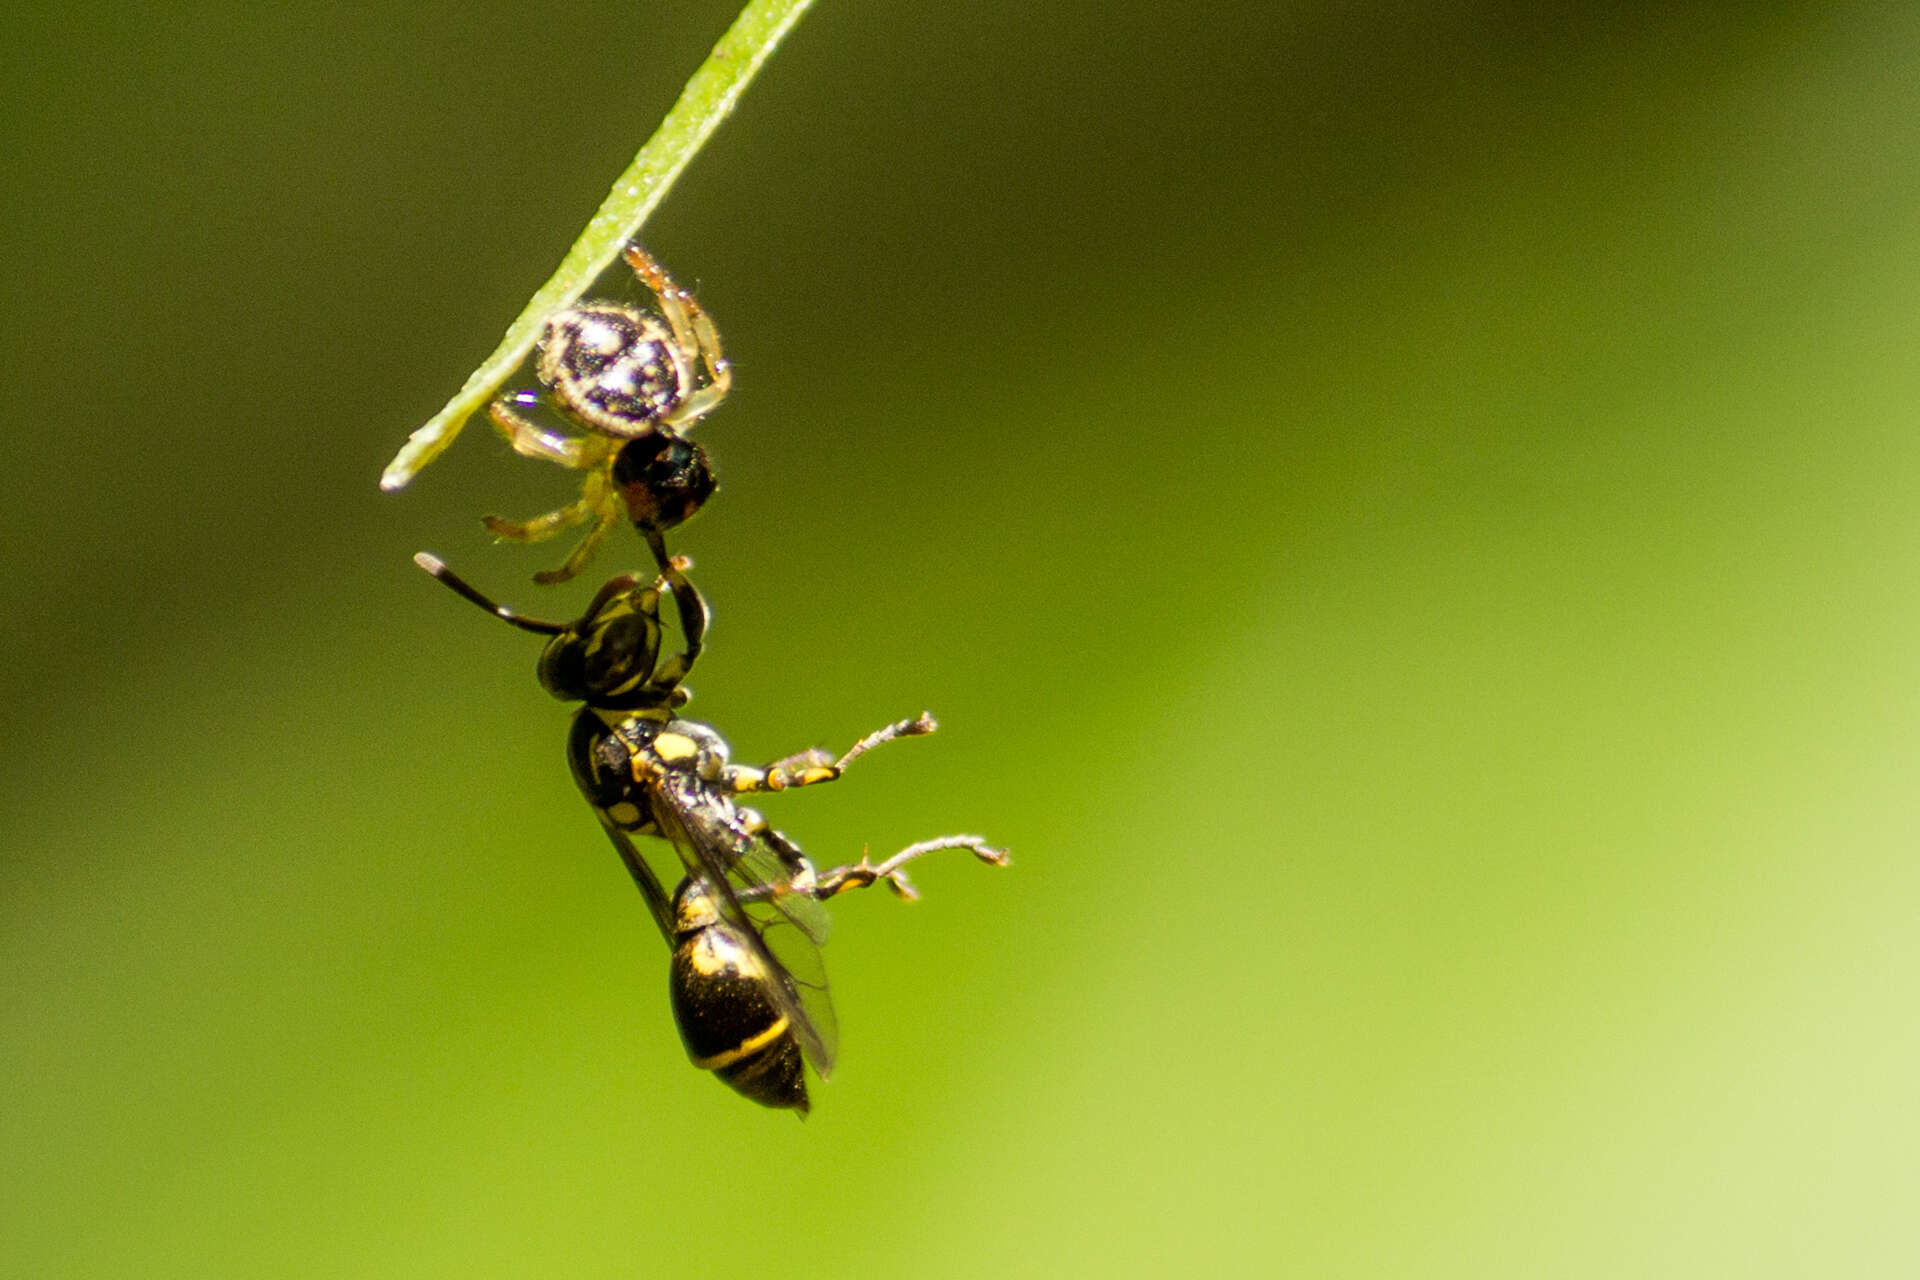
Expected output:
{"points": [[1409, 514]]}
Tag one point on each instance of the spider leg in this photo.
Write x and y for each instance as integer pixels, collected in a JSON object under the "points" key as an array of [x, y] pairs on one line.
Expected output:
{"points": [[693, 333], [597, 497], [531, 441], [540, 527], [694, 615], [601, 501], [696, 406]]}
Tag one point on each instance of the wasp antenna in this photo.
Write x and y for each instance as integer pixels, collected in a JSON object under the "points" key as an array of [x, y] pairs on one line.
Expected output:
{"points": [[460, 586]]}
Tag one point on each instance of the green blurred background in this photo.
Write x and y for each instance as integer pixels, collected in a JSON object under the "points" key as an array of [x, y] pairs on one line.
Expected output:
{"points": [[1409, 515]]}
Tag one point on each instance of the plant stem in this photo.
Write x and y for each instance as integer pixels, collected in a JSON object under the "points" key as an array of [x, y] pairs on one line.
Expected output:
{"points": [[707, 100]]}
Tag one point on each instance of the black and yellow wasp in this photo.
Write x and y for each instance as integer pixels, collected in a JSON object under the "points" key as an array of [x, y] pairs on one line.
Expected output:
{"points": [[747, 987]]}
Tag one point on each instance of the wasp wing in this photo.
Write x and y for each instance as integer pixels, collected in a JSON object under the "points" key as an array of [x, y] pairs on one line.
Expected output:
{"points": [[658, 904], [792, 925], [752, 890]]}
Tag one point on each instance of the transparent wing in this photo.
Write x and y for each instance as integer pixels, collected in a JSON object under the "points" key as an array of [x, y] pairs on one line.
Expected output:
{"points": [[792, 924], [658, 904], [754, 895]]}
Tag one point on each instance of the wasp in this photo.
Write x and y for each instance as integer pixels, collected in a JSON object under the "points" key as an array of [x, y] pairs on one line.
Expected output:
{"points": [[746, 921], [630, 381]]}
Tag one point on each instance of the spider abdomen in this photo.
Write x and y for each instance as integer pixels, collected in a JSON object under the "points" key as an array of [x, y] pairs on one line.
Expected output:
{"points": [[612, 368]]}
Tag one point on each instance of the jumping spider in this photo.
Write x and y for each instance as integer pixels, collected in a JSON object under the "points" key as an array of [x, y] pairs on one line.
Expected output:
{"points": [[630, 381]]}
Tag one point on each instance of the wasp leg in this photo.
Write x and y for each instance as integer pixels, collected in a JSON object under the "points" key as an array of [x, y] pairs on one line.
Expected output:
{"points": [[807, 769], [800, 874], [693, 331], [919, 726], [810, 768], [865, 873]]}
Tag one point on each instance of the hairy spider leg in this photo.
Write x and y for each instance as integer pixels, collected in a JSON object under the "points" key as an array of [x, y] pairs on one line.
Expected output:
{"points": [[692, 331]]}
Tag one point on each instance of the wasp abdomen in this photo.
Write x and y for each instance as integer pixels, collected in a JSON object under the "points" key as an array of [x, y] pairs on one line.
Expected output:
{"points": [[729, 1022]]}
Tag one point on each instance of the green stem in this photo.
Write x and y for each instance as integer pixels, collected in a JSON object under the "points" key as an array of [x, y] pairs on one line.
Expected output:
{"points": [[706, 101]]}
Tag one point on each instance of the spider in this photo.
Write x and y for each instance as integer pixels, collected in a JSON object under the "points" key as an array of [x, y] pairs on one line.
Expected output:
{"points": [[630, 381]]}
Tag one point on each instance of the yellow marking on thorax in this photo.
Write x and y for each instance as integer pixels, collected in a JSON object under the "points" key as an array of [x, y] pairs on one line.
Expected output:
{"points": [[675, 747]]}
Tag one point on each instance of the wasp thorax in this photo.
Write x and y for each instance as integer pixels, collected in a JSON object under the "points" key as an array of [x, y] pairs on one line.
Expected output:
{"points": [[613, 368]]}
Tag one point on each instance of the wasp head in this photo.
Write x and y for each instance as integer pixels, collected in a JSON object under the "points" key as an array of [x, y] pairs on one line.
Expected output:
{"points": [[610, 657], [607, 658]]}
